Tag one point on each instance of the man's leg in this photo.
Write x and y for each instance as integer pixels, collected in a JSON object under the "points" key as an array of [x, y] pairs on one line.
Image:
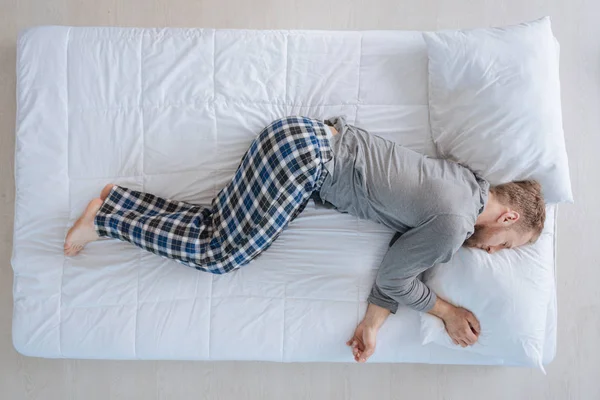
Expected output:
{"points": [[164, 227], [270, 188], [272, 185], [168, 228]]}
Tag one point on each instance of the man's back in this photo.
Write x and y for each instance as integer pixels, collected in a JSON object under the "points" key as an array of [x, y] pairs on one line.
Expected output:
{"points": [[376, 179]]}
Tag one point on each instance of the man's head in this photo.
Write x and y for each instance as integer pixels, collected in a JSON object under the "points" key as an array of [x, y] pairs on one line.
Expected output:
{"points": [[513, 216]]}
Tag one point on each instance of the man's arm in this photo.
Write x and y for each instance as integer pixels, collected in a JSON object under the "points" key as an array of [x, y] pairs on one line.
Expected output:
{"points": [[417, 250], [414, 252]]}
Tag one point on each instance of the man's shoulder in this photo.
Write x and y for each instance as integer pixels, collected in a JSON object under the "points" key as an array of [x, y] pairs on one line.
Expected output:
{"points": [[453, 225]]}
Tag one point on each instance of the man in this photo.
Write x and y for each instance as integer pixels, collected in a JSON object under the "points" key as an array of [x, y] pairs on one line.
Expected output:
{"points": [[435, 205]]}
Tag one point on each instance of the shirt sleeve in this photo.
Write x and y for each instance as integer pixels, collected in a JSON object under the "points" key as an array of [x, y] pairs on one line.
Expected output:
{"points": [[417, 250]]}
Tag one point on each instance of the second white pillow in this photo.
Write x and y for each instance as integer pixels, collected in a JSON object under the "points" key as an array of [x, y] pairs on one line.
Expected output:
{"points": [[494, 103]]}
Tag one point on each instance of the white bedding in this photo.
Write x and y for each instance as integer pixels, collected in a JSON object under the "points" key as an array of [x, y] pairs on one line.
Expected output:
{"points": [[171, 111]]}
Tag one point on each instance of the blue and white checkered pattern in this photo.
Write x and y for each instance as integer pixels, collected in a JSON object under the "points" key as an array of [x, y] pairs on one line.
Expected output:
{"points": [[273, 183]]}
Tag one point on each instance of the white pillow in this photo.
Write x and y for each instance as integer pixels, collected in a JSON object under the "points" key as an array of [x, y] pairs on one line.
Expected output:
{"points": [[509, 293], [494, 103]]}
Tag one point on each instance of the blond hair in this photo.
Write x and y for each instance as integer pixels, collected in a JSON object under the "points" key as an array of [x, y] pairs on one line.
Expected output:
{"points": [[525, 197]]}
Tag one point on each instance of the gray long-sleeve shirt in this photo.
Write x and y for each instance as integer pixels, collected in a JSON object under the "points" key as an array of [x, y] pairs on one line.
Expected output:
{"points": [[432, 204]]}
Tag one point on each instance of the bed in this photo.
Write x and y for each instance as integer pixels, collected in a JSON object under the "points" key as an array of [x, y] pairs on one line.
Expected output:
{"points": [[171, 111]]}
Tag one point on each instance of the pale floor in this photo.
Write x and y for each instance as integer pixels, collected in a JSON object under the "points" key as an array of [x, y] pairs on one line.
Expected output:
{"points": [[575, 373]]}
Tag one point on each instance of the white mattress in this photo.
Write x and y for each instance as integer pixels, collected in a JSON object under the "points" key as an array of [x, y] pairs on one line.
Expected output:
{"points": [[171, 111]]}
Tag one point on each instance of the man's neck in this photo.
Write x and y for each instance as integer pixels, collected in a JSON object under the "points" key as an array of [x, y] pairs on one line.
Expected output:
{"points": [[493, 209]]}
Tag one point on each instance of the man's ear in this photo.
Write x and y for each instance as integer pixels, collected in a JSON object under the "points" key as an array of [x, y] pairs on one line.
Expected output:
{"points": [[508, 218]]}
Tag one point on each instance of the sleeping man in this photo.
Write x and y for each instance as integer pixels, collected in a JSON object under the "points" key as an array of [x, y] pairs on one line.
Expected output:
{"points": [[435, 205]]}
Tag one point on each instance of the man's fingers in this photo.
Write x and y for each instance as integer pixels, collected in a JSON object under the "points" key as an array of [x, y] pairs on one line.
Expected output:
{"points": [[470, 337], [467, 338], [474, 324], [356, 350], [367, 353]]}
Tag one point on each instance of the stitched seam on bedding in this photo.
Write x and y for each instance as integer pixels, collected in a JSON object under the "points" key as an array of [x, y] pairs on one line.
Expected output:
{"points": [[17, 208], [225, 297], [555, 240], [283, 322], [62, 273], [358, 78], [232, 170], [214, 50], [143, 137], [196, 286], [135, 33], [358, 302], [212, 278], [202, 103], [287, 111], [555, 299], [119, 33], [356, 219], [287, 66], [435, 145], [210, 305]]}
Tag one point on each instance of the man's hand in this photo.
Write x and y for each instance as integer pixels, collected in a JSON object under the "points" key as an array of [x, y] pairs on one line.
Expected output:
{"points": [[461, 325], [363, 342], [365, 336]]}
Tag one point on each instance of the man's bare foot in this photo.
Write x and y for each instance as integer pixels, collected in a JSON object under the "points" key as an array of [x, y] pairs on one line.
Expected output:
{"points": [[83, 230], [106, 191]]}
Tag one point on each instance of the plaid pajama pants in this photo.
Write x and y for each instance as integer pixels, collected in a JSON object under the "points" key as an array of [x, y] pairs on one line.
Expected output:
{"points": [[273, 183]]}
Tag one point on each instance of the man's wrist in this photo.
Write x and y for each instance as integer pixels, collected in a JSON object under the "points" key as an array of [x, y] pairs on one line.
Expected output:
{"points": [[375, 316], [378, 298], [442, 309]]}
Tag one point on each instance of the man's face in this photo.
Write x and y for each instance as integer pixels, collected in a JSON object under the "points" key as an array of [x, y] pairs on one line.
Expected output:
{"points": [[494, 238]]}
